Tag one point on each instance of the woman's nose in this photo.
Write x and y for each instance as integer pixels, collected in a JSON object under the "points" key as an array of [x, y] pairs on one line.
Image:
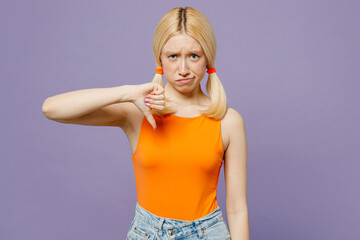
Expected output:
{"points": [[184, 70]]}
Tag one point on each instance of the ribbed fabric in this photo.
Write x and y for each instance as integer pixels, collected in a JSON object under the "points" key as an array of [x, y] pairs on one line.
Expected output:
{"points": [[177, 166]]}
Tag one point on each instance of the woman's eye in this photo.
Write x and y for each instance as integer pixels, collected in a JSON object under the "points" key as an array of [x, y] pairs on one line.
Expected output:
{"points": [[196, 56], [171, 56]]}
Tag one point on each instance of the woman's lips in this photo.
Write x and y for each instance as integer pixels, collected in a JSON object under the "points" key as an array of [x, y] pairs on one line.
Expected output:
{"points": [[185, 80]]}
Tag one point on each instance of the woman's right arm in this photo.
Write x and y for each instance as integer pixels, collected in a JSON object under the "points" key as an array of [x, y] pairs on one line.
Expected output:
{"points": [[101, 106], [69, 106]]}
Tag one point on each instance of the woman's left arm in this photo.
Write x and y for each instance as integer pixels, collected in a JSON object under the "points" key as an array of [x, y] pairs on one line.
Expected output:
{"points": [[235, 172]]}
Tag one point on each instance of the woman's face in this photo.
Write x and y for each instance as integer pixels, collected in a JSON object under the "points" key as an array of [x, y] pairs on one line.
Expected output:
{"points": [[182, 57]]}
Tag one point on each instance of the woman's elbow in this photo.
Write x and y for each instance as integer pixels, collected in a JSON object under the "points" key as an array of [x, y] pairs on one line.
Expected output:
{"points": [[46, 109]]}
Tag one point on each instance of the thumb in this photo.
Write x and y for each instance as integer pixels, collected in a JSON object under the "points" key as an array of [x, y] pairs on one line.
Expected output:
{"points": [[150, 119]]}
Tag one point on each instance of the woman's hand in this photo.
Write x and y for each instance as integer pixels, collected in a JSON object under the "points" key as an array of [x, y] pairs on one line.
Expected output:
{"points": [[149, 95]]}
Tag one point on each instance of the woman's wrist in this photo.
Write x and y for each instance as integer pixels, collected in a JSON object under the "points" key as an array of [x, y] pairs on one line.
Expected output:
{"points": [[126, 93]]}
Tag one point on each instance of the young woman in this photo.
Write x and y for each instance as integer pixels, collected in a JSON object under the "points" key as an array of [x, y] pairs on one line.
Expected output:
{"points": [[178, 135]]}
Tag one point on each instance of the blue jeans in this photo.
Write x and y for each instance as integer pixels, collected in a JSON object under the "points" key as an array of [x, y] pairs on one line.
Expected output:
{"points": [[146, 225]]}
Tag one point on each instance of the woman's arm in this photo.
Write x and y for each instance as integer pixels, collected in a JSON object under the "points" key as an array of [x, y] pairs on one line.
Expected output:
{"points": [[105, 106], [71, 105], [236, 177]]}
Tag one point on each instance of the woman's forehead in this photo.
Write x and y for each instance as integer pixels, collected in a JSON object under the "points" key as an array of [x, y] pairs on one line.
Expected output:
{"points": [[182, 42]]}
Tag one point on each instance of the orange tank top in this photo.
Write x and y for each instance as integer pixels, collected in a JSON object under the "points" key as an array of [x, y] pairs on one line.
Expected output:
{"points": [[177, 166]]}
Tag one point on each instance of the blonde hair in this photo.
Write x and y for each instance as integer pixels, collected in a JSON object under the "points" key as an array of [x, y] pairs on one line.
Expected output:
{"points": [[193, 23]]}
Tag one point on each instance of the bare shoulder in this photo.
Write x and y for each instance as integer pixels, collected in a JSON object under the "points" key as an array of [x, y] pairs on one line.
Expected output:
{"points": [[233, 118], [231, 124]]}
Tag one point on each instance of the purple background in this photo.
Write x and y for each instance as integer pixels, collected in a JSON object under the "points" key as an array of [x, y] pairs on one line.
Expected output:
{"points": [[289, 67]]}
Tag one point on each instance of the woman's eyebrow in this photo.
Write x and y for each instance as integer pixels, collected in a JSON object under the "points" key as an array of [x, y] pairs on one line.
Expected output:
{"points": [[173, 51], [196, 51], [168, 52]]}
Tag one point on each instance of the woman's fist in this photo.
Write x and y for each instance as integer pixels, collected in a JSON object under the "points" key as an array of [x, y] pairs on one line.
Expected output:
{"points": [[149, 95]]}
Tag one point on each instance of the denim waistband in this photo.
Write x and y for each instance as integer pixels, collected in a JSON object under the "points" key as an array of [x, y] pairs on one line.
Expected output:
{"points": [[168, 223]]}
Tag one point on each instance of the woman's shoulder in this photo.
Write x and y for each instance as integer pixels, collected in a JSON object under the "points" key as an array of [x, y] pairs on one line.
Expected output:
{"points": [[230, 122], [232, 116]]}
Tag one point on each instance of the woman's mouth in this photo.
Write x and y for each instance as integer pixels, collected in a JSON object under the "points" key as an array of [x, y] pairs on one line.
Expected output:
{"points": [[185, 80]]}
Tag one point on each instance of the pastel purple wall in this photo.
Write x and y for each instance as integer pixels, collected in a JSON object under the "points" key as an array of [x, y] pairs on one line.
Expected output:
{"points": [[289, 67]]}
